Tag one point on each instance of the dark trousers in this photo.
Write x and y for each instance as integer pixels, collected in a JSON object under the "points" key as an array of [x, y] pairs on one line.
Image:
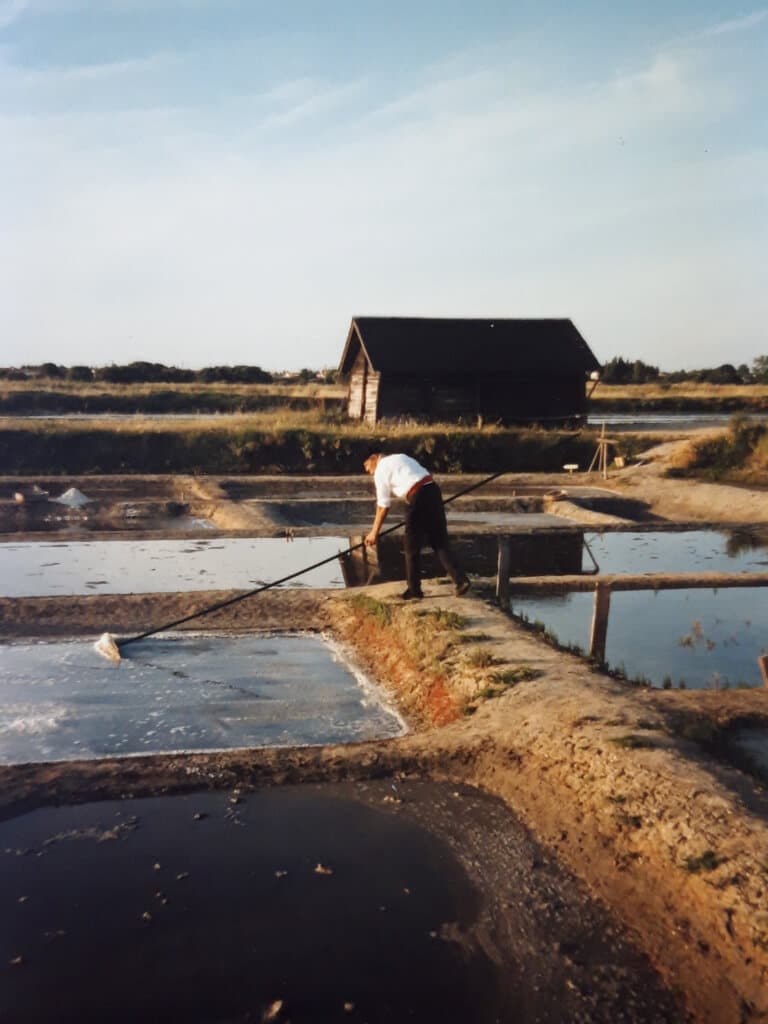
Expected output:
{"points": [[425, 524]]}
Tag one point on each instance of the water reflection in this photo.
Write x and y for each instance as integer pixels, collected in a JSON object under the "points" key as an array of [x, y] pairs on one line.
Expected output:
{"points": [[158, 566], [671, 638], [532, 554], [638, 552], [745, 540]]}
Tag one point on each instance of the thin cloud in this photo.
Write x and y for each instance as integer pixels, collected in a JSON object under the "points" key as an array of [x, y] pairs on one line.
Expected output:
{"points": [[55, 76], [737, 24], [10, 11]]}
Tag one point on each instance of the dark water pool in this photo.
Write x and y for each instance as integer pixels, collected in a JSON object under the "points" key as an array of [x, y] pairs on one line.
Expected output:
{"points": [[304, 904]]}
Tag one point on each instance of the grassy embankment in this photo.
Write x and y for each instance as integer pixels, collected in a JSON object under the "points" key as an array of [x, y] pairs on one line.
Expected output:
{"points": [[19, 398], [289, 442], [684, 397], [25, 398], [739, 455]]}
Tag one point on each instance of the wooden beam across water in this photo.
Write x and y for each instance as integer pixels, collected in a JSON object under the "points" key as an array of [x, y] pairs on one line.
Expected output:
{"points": [[644, 581]]}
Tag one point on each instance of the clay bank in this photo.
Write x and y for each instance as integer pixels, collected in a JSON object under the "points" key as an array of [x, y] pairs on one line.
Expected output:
{"points": [[544, 783]]}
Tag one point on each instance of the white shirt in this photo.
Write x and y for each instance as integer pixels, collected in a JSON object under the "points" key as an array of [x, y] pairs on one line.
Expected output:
{"points": [[395, 475]]}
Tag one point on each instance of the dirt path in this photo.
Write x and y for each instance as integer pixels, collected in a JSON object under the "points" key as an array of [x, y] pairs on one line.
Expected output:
{"points": [[687, 499]]}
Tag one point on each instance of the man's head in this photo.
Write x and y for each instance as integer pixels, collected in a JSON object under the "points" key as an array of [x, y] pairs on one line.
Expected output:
{"points": [[372, 462]]}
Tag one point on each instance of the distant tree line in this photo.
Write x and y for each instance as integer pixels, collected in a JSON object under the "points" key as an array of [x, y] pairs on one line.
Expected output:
{"points": [[627, 371], [142, 372]]}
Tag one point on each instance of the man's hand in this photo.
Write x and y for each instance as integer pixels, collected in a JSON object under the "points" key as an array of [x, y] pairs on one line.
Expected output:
{"points": [[381, 515]]}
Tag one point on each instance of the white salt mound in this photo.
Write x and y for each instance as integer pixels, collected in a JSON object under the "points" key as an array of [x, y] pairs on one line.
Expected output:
{"points": [[73, 498]]}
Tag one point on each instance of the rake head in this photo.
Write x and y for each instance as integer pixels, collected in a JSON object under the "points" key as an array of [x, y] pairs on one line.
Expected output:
{"points": [[107, 647]]}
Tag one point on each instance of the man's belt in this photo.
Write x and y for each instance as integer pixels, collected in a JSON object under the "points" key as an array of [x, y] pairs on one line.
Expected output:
{"points": [[417, 487]]}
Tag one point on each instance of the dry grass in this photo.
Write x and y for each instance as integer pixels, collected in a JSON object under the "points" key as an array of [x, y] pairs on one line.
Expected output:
{"points": [[97, 388], [685, 389], [271, 421]]}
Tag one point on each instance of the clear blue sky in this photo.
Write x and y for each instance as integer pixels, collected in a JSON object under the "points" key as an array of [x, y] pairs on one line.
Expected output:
{"points": [[229, 181]]}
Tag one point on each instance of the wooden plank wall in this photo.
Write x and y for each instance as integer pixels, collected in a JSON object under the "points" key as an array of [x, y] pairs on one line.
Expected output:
{"points": [[506, 398], [372, 397], [357, 385]]}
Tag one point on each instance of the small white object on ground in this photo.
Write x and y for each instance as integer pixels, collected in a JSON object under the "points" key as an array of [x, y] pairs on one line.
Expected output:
{"points": [[107, 647], [73, 498]]}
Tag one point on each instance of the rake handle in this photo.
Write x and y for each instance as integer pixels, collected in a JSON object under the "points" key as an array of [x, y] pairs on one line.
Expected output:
{"points": [[285, 579]]}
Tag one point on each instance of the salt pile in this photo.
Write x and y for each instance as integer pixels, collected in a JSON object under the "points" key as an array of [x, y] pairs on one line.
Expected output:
{"points": [[73, 498]]}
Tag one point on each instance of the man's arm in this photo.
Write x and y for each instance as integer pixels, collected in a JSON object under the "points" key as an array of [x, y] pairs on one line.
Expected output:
{"points": [[381, 515]]}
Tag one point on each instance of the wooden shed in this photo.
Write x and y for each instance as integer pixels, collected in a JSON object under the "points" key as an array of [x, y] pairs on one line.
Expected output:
{"points": [[511, 371]]}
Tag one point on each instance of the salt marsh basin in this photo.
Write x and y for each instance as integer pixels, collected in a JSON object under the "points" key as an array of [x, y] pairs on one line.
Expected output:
{"points": [[62, 701], [155, 566]]}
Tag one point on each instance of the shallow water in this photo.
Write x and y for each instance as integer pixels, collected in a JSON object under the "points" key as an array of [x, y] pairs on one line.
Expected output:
{"points": [[662, 421], [696, 638], [158, 566], [63, 701], [76, 524], [651, 551]]}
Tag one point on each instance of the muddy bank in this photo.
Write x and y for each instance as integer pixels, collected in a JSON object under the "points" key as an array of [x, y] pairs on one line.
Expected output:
{"points": [[672, 839], [675, 498], [61, 447], [134, 613]]}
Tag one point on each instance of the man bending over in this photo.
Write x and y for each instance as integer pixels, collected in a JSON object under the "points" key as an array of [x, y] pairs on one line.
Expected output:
{"points": [[400, 476]]}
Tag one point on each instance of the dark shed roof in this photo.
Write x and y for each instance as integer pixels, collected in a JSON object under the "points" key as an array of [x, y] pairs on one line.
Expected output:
{"points": [[428, 345]]}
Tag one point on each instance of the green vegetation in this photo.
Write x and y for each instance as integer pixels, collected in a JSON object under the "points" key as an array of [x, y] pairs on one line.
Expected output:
{"points": [[625, 371], [287, 442], [699, 730], [632, 742], [518, 674], [377, 610], [628, 820], [707, 861], [19, 398], [443, 618], [145, 372], [739, 455], [481, 657], [500, 682], [684, 396]]}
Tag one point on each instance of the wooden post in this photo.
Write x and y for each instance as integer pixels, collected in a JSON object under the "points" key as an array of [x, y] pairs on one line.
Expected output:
{"points": [[600, 458], [600, 622], [502, 572], [762, 661]]}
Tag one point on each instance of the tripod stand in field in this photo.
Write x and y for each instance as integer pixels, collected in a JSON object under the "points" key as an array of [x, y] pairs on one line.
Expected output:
{"points": [[600, 458]]}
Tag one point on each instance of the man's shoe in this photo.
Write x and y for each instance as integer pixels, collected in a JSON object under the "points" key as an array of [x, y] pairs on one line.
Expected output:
{"points": [[408, 595], [462, 587]]}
